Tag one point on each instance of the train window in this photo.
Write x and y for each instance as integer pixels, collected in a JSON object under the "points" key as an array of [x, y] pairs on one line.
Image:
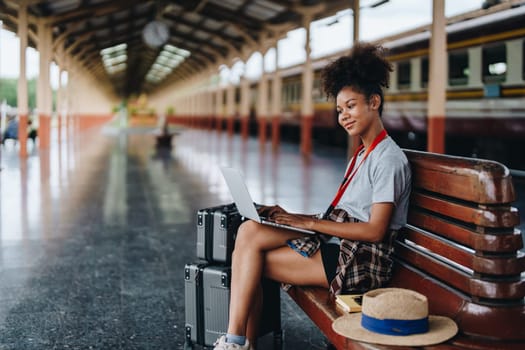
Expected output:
{"points": [[403, 75], [284, 96], [424, 72], [284, 93], [316, 91], [296, 92], [288, 92], [254, 95], [494, 63], [458, 68]]}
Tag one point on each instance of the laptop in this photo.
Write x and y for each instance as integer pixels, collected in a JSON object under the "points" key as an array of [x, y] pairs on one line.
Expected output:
{"points": [[244, 201]]}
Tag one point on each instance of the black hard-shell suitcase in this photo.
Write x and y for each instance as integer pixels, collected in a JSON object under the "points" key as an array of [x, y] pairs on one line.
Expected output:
{"points": [[216, 231], [207, 292], [193, 302], [216, 301]]}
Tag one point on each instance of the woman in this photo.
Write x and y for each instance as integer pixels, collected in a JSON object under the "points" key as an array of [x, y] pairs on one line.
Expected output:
{"points": [[353, 249]]}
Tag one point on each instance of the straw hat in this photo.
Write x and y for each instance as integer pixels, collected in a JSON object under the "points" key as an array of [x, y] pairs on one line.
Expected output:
{"points": [[395, 316]]}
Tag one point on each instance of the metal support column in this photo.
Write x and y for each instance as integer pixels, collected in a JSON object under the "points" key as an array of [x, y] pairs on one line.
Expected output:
{"points": [[22, 100], [245, 105], [230, 108], [276, 102], [437, 79], [44, 95], [262, 105], [307, 111], [354, 142], [218, 108]]}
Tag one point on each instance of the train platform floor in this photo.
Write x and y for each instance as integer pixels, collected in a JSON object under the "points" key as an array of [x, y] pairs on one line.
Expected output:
{"points": [[95, 233]]}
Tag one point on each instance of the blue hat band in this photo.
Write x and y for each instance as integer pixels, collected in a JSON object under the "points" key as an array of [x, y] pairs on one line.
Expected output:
{"points": [[394, 327]]}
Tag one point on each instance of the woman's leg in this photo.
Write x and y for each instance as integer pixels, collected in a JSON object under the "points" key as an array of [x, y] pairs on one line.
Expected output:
{"points": [[251, 243], [262, 249], [287, 266], [254, 315]]}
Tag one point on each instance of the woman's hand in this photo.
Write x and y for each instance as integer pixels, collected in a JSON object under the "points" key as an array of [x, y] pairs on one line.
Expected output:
{"points": [[271, 211], [296, 220], [281, 216]]}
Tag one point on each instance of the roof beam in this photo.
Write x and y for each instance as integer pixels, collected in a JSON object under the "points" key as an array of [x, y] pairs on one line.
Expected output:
{"points": [[213, 48], [98, 10], [198, 26]]}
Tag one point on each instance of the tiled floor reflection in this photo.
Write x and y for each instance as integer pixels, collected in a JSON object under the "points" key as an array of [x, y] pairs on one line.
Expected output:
{"points": [[95, 232]]}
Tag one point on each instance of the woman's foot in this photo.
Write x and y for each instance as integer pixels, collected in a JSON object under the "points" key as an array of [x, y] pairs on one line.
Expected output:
{"points": [[221, 344]]}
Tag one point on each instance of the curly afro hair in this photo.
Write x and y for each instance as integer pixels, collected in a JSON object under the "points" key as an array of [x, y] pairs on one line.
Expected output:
{"points": [[365, 69]]}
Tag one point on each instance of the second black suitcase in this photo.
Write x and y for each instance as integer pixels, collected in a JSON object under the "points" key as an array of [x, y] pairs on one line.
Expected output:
{"points": [[215, 301], [216, 230], [207, 292]]}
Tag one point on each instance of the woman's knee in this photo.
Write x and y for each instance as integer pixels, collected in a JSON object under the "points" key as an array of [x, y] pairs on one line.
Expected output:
{"points": [[246, 234]]}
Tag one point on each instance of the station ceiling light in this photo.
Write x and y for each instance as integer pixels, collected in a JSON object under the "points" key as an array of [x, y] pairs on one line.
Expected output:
{"points": [[115, 58], [167, 60]]}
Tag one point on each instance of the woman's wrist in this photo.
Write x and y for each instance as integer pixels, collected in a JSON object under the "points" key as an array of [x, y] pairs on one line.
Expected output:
{"points": [[313, 222]]}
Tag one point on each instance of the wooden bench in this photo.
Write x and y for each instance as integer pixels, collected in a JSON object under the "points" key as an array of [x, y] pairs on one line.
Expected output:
{"points": [[460, 248]]}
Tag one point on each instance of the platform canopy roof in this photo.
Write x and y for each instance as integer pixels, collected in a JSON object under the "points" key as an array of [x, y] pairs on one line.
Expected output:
{"points": [[107, 36]]}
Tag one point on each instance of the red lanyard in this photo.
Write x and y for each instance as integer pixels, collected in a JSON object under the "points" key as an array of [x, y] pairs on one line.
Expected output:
{"points": [[350, 172]]}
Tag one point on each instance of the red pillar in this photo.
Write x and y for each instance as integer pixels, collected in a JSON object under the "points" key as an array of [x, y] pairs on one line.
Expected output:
{"points": [[437, 84], [67, 126], [245, 127], [59, 127], [22, 134], [276, 131], [436, 134], [44, 130], [306, 134], [262, 130]]}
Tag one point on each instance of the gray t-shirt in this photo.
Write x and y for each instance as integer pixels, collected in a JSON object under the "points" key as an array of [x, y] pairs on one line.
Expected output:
{"points": [[383, 177]]}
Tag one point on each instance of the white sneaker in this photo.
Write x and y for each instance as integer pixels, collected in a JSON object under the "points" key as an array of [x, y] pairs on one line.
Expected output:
{"points": [[221, 344]]}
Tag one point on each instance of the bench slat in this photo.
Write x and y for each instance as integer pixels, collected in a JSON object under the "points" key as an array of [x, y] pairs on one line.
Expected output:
{"points": [[509, 242], [512, 264], [497, 216], [474, 180], [462, 280]]}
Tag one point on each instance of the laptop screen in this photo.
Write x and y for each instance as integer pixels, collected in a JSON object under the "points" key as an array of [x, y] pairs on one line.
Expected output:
{"points": [[240, 194]]}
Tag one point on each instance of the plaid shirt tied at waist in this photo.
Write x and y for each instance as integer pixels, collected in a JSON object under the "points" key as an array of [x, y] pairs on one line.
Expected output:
{"points": [[361, 265]]}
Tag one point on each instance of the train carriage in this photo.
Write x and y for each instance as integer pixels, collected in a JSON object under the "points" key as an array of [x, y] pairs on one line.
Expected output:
{"points": [[485, 108]]}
